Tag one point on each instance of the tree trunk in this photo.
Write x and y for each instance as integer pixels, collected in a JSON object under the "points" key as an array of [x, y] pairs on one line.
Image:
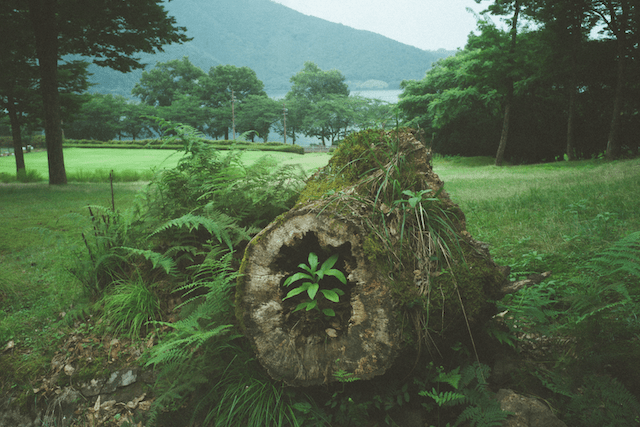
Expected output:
{"points": [[396, 274], [613, 142], [573, 87], [43, 17], [618, 26], [17, 139], [505, 124], [509, 98]]}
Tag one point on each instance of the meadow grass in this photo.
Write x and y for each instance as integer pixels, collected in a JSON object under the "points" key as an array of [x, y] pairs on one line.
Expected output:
{"points": [[128, 165], [565, 211], [36, 248]]}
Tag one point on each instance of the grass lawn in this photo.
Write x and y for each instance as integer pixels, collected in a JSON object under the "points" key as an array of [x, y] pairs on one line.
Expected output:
{"points": [[95, 164]]}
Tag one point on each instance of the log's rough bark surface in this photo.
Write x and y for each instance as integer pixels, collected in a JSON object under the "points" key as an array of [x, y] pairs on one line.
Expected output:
{"points": [[403, 288]]}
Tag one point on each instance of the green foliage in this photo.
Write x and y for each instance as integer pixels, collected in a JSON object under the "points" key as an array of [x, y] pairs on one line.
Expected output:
{"points": [[183, 357], [551, 68], [129, 305], [104, 261], [30, 176], [467, 387], [593, 315], [313, 276], [206, 181], [255, 400]]}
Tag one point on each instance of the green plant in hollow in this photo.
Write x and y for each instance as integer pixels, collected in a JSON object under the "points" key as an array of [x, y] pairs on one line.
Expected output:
{"points": [[311, 284]]}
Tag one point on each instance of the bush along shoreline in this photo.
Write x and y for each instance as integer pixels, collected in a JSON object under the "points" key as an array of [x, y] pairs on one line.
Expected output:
{"points": [[158, 144]]}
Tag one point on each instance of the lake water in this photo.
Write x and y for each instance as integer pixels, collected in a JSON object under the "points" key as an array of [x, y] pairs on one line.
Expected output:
{"points": [[390, 96]]}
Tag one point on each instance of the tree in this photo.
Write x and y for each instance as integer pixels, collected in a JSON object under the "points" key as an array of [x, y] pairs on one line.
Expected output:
{"points": [[168, 80], [501, 7], [258, 113], [19, 87], [134, 122], [310, 87], [459, 92], [568, 25], [296, 111], [19, 78], [99, 118], [329, 116], [110, 32], [312, 83], [620, 18], [225, 88], [187, 109]]}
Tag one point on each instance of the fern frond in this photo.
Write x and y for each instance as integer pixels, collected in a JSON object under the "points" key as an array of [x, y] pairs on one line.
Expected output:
{"points": [[157, 260], [216, 226], [443, 398], [483, 416], [189, 338], [622, 257]]}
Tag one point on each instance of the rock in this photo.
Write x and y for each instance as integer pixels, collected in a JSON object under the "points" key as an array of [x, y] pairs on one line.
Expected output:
{"points": [[527, 411], [60, 411], [92, 388], [119, 379], [11, 416]]}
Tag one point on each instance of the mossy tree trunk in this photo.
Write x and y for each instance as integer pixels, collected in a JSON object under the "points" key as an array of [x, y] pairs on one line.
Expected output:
{"points": [[414, 274]]}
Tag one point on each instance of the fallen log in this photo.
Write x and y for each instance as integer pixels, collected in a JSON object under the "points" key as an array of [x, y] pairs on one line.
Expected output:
{"points": [[414, 275]]}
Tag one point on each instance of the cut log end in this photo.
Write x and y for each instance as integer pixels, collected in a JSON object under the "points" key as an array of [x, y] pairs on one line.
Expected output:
{"points": [[308, 348]]}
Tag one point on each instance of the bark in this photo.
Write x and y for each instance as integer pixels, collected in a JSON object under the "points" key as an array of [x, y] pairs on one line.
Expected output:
{"points": [[505, 124], [618, 26], [573, 92], [570, 126], [17, 139], [43, 17], [613, 141], [393, 279], [509, 97]]}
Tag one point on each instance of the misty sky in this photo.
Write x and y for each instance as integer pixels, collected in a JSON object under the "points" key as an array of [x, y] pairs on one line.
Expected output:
{"points": [[427, 24]]}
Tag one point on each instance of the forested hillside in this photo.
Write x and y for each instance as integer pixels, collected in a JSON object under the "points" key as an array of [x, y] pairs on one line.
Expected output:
{"points": [[275, 41]]}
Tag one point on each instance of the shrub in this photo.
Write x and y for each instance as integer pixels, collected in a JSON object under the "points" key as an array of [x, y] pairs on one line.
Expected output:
{"points": [[159, 144]]}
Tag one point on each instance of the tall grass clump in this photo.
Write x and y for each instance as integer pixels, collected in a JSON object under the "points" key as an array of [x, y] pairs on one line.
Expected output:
{"points": [[129, 306]]}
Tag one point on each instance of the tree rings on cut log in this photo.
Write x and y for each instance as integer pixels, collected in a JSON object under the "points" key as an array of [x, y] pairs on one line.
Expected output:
{"points": [[308, 348]]}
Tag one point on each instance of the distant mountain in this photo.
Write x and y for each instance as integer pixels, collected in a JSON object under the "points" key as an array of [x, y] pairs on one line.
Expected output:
{"points": [[275, 41]]}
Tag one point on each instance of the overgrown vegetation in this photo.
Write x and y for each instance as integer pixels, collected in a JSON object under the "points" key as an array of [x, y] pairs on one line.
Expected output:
{"points": [[576, 336]]}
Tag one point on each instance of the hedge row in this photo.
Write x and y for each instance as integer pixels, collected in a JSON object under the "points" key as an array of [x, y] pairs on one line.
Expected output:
{"points": [[36, 141], [156, 144]]}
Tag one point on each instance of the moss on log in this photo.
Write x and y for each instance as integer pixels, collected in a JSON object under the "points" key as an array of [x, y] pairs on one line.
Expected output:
{"points": [[414, 274]]}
